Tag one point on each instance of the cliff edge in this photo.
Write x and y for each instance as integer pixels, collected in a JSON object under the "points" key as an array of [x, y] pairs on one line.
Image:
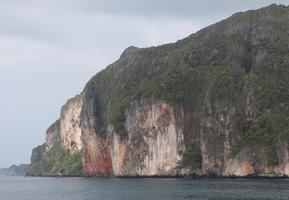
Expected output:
{"points": [[215, 103]]}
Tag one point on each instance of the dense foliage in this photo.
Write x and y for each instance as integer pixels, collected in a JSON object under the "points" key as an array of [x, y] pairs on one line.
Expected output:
{"points": [[192, 158], [58, 161]]}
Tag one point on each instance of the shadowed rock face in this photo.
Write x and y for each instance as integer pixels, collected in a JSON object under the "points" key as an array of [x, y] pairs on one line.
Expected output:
{"points": [[38, 153], [52, 135], [214, 103], [217, 144]]}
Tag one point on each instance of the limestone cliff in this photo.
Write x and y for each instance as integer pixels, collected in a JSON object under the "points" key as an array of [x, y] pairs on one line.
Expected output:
{"points": [[38, 153], [214, 103], [154, 144], [62, 152], [52, 135], [70, 132]]}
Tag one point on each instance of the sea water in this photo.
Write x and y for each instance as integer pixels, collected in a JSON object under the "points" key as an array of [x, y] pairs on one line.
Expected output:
{"points": [[35, 188]]}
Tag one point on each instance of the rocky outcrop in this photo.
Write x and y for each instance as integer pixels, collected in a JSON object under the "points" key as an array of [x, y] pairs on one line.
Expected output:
{"points": [[70, 132], [128, 51], [97, 158], [154, 144], [219, 139], [38, 153], [52, 135], [215, 103], [155, 139]]}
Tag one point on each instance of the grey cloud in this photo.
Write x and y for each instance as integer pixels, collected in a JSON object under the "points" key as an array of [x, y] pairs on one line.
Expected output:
{"points": [[168, 8]]}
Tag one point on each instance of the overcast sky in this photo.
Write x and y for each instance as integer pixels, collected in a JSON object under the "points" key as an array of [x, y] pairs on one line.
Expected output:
{"points": [[49, 49]]}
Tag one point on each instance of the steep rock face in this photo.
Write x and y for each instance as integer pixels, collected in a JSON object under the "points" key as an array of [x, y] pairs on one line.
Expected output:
{"points": [[52, 135], [219, 139], [155, 140], [97, 158], [70, 132], [214, 103], [154, 144], [38, 153]]}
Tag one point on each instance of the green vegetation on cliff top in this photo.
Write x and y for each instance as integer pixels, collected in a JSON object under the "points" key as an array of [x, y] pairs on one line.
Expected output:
{"points": [[245, 56], [241, 62]]}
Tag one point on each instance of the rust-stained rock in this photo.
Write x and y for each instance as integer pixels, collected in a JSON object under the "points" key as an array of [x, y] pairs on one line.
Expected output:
{"points": [[97, 158]]}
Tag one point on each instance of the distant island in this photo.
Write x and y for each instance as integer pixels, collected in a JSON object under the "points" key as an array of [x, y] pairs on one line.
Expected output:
{"points": [[213, 104], [14, 170]]}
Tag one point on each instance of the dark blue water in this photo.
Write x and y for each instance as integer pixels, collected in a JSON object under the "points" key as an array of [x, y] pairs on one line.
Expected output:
{"points": [[20, 188]]}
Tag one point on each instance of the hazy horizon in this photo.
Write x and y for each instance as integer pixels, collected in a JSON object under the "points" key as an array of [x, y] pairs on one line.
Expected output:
{"points": [[51, 49]]}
